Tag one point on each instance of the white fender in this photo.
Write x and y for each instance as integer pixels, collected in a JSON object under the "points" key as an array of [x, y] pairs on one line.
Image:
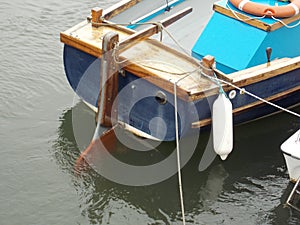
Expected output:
{"points": [[222, 126]]}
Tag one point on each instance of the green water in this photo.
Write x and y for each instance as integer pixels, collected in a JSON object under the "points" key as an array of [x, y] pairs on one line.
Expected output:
{"points": [[38, 184]]}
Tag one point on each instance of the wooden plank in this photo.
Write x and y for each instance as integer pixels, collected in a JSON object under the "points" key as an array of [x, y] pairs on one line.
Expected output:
{"points": [[222, 75], [264, 71], [208, 63], [119, 8], [243, 18], [251, 21], [147, 32], [76, 43], [157, 11], [108, 81], [88, 38], [251, 75], [201, 123]]}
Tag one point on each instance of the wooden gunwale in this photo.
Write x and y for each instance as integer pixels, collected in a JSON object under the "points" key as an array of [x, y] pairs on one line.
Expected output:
{"points": [[93, 49], [253, 75], [264, 71]]}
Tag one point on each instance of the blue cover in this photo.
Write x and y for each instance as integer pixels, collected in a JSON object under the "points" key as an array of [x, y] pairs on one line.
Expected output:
{"points": [[237, 45]]}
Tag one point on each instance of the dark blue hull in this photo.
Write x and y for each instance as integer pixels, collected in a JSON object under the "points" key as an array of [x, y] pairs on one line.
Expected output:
{"points": [[150, 108]]}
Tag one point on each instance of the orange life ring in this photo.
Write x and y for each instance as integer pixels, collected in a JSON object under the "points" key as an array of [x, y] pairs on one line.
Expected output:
{"points": [[258, 9]]}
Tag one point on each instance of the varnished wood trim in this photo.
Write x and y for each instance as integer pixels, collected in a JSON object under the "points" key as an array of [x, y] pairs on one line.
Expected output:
{"points": [[254, 22], [201, 123], [264, 71], [78, 44], [253, 75], [108, 82], [119, 8]]}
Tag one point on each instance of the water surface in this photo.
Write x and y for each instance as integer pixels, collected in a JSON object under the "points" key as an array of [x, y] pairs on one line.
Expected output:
{"points": [[38, 149]]}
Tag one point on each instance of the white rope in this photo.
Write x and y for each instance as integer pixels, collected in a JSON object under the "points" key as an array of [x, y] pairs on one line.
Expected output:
{"points": [[175, 41], [178, 149], [284, 24], [243, 90], [178, 154]]}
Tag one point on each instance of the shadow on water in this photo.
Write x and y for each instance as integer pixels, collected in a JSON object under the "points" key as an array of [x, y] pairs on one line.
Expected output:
{"points": [[252, 185]]}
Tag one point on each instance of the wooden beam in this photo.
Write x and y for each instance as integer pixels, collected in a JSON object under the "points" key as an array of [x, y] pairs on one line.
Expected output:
{"points": [[119, 7], [80, 45], [153, 29], [208, 62], [108, 81], [96, 16], [253, 22], [264, 71]]}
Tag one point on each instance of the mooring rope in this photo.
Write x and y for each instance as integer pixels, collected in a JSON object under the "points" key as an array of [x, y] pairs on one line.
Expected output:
{"points": [[178, 148], [243, 90], [178, 155]]}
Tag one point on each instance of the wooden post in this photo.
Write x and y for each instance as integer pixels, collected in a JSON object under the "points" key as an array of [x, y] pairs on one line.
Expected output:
{"points": [[208, 62], [108, 81], [96, 16]]}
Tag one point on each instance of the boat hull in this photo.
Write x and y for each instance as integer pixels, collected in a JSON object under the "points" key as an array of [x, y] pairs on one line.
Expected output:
{"points": [[141, 104]]}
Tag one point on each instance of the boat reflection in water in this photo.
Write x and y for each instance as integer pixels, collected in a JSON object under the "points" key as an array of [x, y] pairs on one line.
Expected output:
{"points": [[249, 187]]}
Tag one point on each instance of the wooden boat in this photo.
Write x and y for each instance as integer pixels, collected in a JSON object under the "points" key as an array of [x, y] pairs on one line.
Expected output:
{"points": [[132, 77]]}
